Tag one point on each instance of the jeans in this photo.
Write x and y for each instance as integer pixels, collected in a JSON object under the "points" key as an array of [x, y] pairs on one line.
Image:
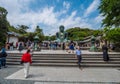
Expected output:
{"points": [[11, 47], [3, 61], [79, 59]]}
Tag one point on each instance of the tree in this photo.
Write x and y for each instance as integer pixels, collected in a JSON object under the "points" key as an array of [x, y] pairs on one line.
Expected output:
{"points": [[110, 9], [22, 29], [13, 29], [46, 38], [97, 32], [3, 25], [79, 33], [113, 35], [53, 37], [29, 36]]}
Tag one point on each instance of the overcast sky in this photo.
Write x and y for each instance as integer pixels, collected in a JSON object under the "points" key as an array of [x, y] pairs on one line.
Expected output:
{"points": [[50, 14]]}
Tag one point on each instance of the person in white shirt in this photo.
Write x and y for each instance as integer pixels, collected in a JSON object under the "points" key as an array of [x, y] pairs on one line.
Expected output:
{"points": [[79, 56]]}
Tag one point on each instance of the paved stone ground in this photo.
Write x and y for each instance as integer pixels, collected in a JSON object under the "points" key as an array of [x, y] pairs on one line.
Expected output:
{"points": [[4, 72], [60, 75]]}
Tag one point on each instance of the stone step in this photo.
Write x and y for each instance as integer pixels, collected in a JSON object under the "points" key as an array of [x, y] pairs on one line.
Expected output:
{"points": [[65, 56], [73, 61], [73, 64], [64, 61], [67, 60], [68, 64], [74, 55], [43, 58], [58, 54]]}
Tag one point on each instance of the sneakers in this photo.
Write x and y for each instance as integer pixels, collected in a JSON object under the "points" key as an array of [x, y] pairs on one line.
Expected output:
{"points": [[26, 76]]}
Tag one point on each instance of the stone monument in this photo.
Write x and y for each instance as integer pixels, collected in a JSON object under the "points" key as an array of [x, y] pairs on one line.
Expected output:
{"points": [[36, 38], [93, 48], [61, 36]]}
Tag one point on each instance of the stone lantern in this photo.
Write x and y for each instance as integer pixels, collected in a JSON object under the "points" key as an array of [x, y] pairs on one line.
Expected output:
{"points": [[93, 48], [36, 39]]}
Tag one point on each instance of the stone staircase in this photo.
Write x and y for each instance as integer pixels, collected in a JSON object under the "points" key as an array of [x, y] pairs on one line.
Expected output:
{"points": [[66, 60]]}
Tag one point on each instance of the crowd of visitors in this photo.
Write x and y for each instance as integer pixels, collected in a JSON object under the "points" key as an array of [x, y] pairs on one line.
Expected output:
{"points": [[68, 46], [19, 45]]}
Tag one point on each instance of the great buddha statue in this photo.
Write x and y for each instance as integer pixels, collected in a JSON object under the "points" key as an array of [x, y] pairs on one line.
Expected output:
{"points": [[61, 35]]}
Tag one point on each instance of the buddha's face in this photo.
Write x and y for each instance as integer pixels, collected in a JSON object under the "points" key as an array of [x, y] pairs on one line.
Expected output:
{"points": [[61, 28]]}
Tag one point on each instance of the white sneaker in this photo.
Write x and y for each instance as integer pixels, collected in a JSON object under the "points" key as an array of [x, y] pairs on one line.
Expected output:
{"points": [[25, 76]]}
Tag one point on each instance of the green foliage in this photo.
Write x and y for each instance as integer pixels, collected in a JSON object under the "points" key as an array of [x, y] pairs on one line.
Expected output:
{"points": [[46, 38], [24, 35], [3, 25], [13, 29], [53, 37], [110, 9], [30, 35], [80, 33], [113, 35], [22, 29], [97, 32]]}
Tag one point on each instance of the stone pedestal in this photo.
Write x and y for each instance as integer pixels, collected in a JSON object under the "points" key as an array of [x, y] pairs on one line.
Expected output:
{"points": [[93, 49]]}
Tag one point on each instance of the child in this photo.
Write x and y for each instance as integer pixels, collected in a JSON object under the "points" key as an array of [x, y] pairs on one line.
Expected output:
{"points": [[79, 57]]}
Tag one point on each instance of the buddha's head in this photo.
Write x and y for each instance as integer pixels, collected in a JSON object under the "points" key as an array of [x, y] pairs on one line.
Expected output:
{"points": [[61, 28]]}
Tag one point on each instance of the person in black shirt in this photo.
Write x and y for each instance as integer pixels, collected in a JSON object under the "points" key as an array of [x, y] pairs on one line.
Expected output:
{"points": [[20, 47], [105, 53]]}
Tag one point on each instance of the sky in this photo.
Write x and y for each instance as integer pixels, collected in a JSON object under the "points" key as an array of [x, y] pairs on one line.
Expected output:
{"points": [[50, 14]]}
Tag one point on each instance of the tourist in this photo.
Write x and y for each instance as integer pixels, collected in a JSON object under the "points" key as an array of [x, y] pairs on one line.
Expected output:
{"points": [[7, 46], [79, 56], [16, 44], [55, 45], [0, 61], [31, 46], [63, 46], [66, 47], [3, 56], [112, 47], [26, 60], [50, 46], [105, 52], [11, 46], [71, 47], [20, 47]]}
